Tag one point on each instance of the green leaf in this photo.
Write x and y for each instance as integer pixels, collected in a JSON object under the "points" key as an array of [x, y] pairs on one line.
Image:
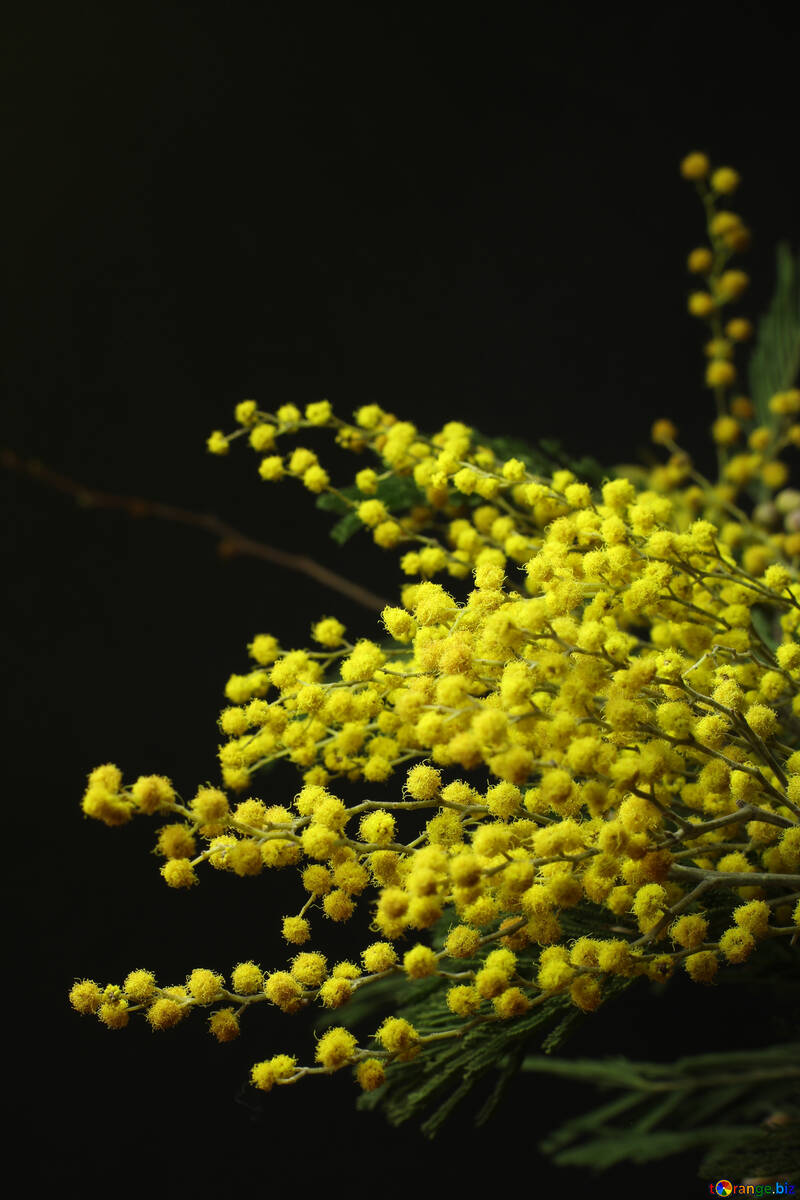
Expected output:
{"points": [[430, 1087], [716, 1100], [507, 1072], [344, 528], [629, 1145], [775, 361], [328, 502], [559, 1034], [744, 1084], [588, 1121], [767, 625], [545, 456], [534, 457], [398, 492]]}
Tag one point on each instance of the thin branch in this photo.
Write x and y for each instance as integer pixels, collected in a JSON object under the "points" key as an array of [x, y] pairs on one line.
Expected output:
{"points": [[734, 879], [231, 541]]}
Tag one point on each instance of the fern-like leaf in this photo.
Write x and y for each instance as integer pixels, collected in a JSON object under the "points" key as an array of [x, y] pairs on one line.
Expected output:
{"points": [[775, 361]]}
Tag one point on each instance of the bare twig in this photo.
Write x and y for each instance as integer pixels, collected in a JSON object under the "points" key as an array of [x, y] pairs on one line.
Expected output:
{"points": [[231, 541]]}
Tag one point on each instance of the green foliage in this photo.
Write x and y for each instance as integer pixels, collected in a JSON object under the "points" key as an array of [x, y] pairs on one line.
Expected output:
{"points": [[398, 492], [771, 1151], [775, 361], [766, 624], [544, 457], [429, 1088], [712, 1102], [716, 1101]]}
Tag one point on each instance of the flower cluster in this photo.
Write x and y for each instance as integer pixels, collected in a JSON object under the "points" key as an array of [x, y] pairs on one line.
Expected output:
{"points": [[750, 450], [591, 698]]}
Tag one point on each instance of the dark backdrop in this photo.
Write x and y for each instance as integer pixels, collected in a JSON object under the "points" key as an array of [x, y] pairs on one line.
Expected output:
{"points": [[459, 215]]}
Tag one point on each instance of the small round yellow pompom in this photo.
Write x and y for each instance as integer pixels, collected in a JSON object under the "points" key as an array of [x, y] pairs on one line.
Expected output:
{"points": [[511, 1003], [139, 987], [701, 304], [262, 437], [224, 1025], [335, 1048], [775, 475], [379, 957], [103, 805], [372, 512], [720, 374], [271, 468], [419, 962], [760, 438], [114, 1014], [648, 905], [689, 931], [695, 166], [702, 966], [462, 942], [316, 479], [107, 776], [367, 481], [399, 623], [663, 431], [165, 1013], [586, 993], [378, 827], [514, 469], [247, 979], [328, 632], [85, 997], [725, 430], [284, 991], [790, 839], [209, 806], [217, 443], [204, 985], [700, 260], [333, 993], [423, 782], [399, 1037], [319, 413], [310, 968], [338, 906], [725, 180], [246, 412], [742, 407], [153, 792], [265, 1075], [739, 329], [753, 917], [296, 930], [370, 1074], [731, 284], [737, 944], [179, 873], [785, 403], [762, 720]]}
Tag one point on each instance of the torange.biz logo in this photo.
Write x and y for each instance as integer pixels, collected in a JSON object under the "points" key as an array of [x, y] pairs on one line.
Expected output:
{"points": [[724, 1187]]}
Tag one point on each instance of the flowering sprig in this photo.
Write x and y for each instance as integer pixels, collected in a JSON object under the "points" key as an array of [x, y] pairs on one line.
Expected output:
{"points": [[617, 669], [760, 446]]}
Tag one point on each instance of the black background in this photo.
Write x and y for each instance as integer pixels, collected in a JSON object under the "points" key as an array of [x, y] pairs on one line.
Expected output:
{"points": [[456, 214]]}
